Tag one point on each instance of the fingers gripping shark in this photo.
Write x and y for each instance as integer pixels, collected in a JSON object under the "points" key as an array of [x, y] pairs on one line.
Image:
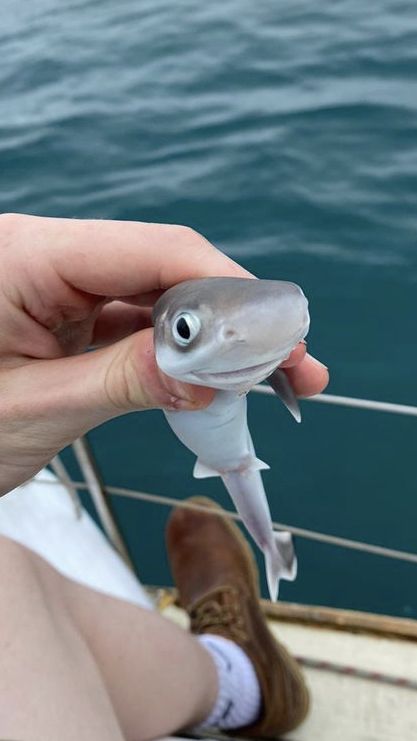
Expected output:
{"points": [[230, 334]]}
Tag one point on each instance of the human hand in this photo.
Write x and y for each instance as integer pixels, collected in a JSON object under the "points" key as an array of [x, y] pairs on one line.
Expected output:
{"points": [[66, 285]]}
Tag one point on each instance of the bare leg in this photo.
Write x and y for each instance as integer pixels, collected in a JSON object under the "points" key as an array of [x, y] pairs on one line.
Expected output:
{"points": [[158, 676], [50, 687], [78, 665]]}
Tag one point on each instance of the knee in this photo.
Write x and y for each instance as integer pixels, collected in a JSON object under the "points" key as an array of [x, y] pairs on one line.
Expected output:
{"points": [[26, 579], [16, 566], [12, 556], [20, 566]]}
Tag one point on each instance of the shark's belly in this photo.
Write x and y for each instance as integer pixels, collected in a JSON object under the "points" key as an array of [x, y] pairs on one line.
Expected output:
{"points": [[217, 435]]}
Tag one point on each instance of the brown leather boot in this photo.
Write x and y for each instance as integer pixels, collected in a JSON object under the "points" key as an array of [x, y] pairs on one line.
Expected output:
{"points": [[217, 580]]}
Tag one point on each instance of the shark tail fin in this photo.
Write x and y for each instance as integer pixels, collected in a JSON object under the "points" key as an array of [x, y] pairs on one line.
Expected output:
{"points": [[280, 562]]}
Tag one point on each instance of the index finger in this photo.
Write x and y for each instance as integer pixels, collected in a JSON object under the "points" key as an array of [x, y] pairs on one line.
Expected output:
{"points": [[122, 258]]}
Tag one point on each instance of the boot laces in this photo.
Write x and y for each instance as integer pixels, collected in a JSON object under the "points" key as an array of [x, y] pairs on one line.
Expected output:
{"points": [[220, 611]]}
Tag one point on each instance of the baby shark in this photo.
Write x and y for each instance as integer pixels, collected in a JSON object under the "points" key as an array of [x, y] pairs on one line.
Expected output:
{"points": [[229, 334]]}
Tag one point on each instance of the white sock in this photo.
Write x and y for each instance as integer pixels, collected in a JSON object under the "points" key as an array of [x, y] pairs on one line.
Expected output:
{"points": [[238, 700]]}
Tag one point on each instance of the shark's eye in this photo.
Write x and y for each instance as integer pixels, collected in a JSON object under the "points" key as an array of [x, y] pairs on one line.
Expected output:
{"points": [[185, 328]]}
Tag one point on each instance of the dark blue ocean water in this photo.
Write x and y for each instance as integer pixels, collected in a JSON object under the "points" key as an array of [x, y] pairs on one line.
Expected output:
{"points": [[287, 134]]}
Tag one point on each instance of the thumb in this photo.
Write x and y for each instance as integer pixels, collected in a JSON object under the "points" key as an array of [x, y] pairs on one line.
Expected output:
{"points": [[49, 403], [131, 380], [122, 377]]}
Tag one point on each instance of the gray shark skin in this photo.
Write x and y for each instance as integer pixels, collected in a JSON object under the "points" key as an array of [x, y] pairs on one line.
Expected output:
{"points": [[230, 334]]}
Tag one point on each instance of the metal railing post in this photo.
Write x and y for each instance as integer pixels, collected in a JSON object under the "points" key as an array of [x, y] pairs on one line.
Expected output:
{"points": [[88, 465]]}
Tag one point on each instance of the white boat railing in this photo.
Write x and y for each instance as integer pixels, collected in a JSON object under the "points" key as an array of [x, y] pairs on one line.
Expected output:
{"points": [[350, 401], [100, 492]]}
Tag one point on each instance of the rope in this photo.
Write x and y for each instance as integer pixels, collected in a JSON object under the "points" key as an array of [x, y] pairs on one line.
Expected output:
{"points": [[298, 531], [348, 401], [352, 671]]}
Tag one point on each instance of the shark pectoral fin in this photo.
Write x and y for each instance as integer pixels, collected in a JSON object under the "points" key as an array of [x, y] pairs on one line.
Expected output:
{"points": [[201, 471], [280, 562], [282, 387]]}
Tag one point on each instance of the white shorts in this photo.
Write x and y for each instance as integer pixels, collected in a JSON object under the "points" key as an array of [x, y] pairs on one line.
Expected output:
{"points": [[41, 516]]}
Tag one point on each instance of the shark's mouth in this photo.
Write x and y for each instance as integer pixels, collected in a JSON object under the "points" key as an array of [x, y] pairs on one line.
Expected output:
{"points": [[263, 369], [250, 374]]}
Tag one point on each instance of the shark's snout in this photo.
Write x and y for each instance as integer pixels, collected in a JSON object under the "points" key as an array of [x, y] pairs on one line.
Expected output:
{"points": [[238, 330]]}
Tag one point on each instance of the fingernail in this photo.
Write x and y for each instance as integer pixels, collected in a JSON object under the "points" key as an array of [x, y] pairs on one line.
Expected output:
{"points": [[187, 405], [316, 362], [180, 391]]}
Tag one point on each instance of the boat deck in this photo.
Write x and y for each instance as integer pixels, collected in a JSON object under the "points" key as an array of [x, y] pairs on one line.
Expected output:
{"points": [[361, 670]]}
